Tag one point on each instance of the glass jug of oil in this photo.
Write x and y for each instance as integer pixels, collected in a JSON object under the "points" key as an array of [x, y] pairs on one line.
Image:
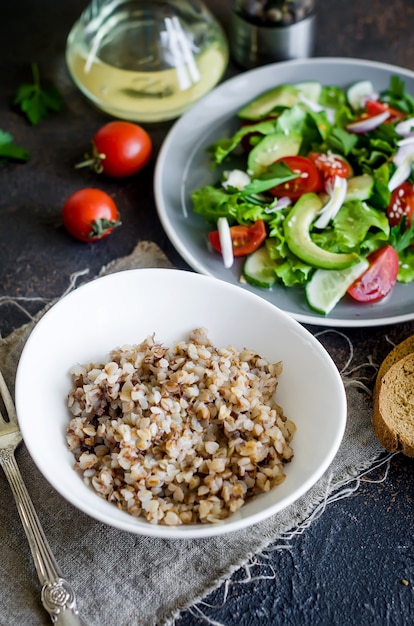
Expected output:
{"points": [[146, 61]]}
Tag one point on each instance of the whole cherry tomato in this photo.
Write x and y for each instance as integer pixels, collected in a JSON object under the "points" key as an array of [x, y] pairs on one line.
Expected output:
{"points": [[245, 239], [119, 149], [379, 278], [90, 214], [308, 178]]}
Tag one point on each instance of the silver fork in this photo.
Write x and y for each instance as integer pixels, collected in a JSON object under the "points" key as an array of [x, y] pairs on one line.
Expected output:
{"points": [[57, 595]]}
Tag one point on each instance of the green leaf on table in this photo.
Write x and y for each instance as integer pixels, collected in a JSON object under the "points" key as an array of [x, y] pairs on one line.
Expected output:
{"points": [[11, 151], [35, 101]]}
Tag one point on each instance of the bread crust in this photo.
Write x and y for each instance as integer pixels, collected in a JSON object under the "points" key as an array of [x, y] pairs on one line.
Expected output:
{"points": [[393, 400], [398, 352]]}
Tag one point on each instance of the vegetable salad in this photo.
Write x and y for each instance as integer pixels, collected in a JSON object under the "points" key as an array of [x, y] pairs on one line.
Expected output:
{"points": [[316, 191]]}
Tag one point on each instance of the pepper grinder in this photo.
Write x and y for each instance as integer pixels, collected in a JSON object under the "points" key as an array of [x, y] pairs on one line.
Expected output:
{"points": [[265, 31]]}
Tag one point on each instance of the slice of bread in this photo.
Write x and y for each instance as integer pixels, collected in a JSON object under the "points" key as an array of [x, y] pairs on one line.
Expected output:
{"points": [[393, 401], [398, 352]]}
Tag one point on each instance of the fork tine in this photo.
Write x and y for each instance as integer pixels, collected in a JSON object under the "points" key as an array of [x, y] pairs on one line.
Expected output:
{"points": [[8, 400]]}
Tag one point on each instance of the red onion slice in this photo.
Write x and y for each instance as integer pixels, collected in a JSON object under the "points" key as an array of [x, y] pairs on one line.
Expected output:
{"points": [[313, 106], [401, 174], [408, 139], [337, 197], [282, 203], [403, 159], [367, 124], [405, 128], [226, 243]]}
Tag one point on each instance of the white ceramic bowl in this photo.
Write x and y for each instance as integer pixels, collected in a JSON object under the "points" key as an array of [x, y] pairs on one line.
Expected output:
{"points": [[128, 306]]}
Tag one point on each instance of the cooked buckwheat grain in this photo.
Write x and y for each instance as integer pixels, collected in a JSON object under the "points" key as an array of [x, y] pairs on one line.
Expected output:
{"points": [[179, 435]]}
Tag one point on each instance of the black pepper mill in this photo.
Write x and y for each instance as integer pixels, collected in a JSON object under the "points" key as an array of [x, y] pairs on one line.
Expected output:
{"points": [[265, 31]]}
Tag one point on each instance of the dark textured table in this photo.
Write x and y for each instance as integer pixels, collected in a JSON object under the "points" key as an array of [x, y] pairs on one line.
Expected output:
{"points": [[348, 567]]}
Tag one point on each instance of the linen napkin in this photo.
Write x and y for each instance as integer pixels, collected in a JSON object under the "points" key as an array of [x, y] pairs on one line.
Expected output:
{"points": [[122, 579]]}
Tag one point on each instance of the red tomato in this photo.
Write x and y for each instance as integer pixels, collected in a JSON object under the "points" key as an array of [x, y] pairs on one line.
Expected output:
{"points": [[375, 107], [330, 165], [380, 277], [307, 181], [246, 239], [90, 214], [401, 203], [119, 149]]}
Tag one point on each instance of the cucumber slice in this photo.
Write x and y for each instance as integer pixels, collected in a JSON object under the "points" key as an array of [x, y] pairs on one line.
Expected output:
{"points": [[357, 92], [311, 89], [359, 187], [270, 149], [259, 269], [327, 287]]}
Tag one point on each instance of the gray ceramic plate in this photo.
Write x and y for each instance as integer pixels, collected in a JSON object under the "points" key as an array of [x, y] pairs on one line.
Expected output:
{"points": [[183, 165]]}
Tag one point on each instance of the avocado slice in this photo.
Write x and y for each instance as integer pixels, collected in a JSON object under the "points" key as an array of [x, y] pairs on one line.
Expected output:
{"points": [[271, 148], [296, 228], [283, 95]]}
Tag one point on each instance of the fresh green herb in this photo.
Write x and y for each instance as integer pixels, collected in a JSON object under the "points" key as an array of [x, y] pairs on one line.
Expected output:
{"points": [[276, 174], [213, 202], [222, 148], [397, 97], [341, 141], [402, 237], [11, 151], [36, 101], [332, 97]]}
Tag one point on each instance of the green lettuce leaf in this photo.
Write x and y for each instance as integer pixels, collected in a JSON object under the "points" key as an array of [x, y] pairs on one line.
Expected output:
{"points": [[397, 97], [288, 268], [220, 150], [353, 223], [214, 202], [406, 269]]}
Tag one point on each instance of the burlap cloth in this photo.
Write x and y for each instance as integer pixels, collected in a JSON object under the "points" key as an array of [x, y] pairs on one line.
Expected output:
{"points": [[123, 579]]}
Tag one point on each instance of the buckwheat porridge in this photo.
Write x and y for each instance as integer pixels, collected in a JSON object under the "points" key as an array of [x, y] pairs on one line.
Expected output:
{"points": [[182, 434]]}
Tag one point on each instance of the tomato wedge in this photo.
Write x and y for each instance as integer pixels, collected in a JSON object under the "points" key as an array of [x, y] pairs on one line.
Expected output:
{"points": [[308, 179], [378, 280], [245, 239], [330, 165], [401, 203], [375, 107]]}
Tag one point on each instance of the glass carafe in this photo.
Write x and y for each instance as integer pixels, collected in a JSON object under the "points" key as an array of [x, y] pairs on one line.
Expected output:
{"points": [[146, 61]]}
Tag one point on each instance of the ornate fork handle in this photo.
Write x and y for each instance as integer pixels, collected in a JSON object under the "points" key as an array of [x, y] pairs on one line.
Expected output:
{"points": [[57, 595]]}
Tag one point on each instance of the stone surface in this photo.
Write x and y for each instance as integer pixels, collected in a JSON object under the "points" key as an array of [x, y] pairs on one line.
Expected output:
{"points": [[354, 565]]}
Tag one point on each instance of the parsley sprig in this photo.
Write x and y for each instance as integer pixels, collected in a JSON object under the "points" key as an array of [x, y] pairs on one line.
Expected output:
{"points": [[36, 101], [11, 151]]}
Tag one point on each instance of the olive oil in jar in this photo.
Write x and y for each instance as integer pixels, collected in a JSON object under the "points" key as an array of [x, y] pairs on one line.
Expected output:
{"points": [[146, 61]]}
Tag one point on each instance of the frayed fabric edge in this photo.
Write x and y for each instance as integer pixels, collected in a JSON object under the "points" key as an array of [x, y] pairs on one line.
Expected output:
{"points": [[20, 301]]}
